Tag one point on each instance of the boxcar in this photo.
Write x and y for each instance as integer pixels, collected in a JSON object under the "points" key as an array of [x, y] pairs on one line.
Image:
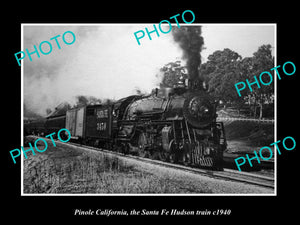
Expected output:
{"points": [[74, 122], [90, 124]]}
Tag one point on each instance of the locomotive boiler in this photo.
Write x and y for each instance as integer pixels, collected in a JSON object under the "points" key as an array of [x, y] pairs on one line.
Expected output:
{"points": [[171, 124]]}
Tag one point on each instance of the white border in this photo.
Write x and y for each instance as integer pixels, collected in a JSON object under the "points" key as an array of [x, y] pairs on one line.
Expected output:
{"points": [[22, 111], [141, 24], [275, 110]]}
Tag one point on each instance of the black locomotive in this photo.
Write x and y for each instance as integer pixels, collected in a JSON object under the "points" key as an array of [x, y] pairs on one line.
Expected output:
{"points": [[171, 124]]}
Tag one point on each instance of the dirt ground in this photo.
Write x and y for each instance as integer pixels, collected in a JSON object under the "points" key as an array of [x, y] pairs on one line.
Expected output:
{"points": [[72, 170]]}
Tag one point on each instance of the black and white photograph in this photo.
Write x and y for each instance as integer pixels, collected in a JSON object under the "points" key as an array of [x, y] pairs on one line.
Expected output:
{"points": [[148, 116], [132, 115]]}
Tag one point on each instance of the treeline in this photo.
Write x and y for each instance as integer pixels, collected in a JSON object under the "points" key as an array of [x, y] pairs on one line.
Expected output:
{"points": [[222, 70]]}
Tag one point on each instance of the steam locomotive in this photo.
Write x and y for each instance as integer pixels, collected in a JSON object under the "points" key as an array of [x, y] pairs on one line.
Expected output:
{"points": [[171, 124]]}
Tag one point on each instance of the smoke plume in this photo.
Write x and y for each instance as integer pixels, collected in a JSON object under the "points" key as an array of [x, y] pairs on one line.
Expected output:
{"points": [[104, 62], [190, 41]]}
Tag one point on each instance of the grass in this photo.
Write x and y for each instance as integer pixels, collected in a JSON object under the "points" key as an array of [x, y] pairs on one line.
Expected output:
{"points": [[70, 170], [66, 170]]}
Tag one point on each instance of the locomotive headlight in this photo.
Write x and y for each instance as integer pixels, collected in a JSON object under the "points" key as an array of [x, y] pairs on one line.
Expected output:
{"points": [[203, 111]]}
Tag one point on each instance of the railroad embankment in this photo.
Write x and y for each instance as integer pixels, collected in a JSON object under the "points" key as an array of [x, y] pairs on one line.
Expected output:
{"points": [[246, 136], [71, 169]]}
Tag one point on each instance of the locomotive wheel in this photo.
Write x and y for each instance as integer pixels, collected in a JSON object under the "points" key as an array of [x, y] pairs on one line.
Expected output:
{"points": [[174, 157], [161, 155], [165, 156], [121, 148], [173, 153], [142, 143], [186, 156], [125, 148]]}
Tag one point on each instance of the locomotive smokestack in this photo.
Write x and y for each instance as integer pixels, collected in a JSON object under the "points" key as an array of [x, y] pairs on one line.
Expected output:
{"points": [[190, 41]]}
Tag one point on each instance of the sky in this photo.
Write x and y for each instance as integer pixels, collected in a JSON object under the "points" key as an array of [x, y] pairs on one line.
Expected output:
{"points": [[243, 39], [105, 61]]}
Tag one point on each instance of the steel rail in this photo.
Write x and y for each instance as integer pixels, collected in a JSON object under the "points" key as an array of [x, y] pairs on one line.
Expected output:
{"points": [[227, 174]]}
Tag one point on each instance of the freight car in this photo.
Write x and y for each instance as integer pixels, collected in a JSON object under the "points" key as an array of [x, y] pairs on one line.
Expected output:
{"points": [[90, 124]]}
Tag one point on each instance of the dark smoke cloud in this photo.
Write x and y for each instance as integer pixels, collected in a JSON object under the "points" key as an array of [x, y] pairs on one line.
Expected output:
{"points": [[190, 41]]}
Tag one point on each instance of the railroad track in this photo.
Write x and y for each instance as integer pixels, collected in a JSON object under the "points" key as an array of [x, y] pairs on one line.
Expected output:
{"points": [[227, 174], [244, 119]]}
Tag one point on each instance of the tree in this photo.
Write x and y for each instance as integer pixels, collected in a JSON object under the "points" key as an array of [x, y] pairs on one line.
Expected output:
{"points": [[172, 73], [261, 61], [226, 68], [221, 72]]}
